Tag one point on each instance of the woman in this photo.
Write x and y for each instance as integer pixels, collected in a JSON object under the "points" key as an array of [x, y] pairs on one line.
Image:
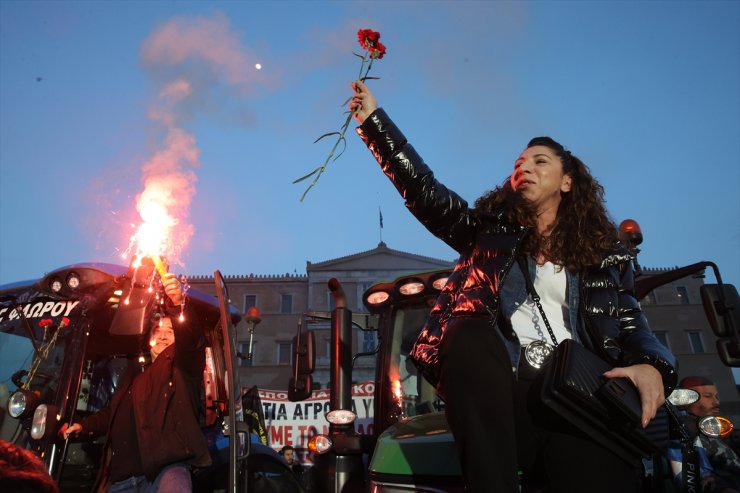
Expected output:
{"points": [[486, 337]]}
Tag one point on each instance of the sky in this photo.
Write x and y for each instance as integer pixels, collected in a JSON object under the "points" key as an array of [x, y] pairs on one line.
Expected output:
{"points": [[101, 100]]}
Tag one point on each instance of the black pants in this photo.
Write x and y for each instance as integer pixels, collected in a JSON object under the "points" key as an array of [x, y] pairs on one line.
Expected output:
{"points": [[500, 427]]}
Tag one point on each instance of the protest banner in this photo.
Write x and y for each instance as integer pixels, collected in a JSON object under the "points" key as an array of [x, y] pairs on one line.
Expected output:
{"points": [[294, 423]]}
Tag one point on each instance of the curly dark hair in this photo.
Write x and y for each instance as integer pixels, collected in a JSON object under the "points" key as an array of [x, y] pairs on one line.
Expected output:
{"points": [[23, 472], [583, 231]]}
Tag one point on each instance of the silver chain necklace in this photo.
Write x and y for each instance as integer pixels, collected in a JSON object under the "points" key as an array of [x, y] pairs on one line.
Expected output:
{"points": [[536, 352]]}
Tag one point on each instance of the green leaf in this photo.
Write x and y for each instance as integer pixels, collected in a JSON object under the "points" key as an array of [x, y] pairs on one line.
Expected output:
{"points": [[344, 142], [307, 176], [326, 135]]}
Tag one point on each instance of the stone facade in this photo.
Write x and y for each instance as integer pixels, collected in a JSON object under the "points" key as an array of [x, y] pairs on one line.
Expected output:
{"points": [[270, 368]]}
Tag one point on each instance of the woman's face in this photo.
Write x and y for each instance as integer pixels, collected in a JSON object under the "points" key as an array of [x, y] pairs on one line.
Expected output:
{"points": [[538, 177]]}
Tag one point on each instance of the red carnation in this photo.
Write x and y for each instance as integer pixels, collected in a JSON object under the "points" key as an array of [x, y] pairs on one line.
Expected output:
{"points": [[64, 323], [378, 51], [368, 38], [374, 50], [45, 323]]}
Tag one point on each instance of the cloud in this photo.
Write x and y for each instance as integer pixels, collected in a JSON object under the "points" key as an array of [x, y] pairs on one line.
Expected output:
{"points": [[203, 69]]}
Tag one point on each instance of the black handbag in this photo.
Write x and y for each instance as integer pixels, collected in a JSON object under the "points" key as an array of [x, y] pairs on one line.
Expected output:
{"points": [[572, 385], [608, 410]]}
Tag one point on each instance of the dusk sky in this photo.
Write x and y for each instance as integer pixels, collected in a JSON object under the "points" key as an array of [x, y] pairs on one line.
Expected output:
{"points": [[95, 96]]}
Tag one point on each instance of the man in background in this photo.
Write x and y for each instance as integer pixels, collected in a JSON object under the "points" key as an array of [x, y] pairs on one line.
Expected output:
{"points": [[723, 456], [288, 453]]}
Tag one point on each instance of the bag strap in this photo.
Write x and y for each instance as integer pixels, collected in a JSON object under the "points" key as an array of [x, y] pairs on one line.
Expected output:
{"points": [[522, 261]]}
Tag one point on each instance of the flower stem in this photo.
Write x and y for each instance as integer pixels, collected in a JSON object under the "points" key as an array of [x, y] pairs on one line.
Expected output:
{"points": [[343, 129]]}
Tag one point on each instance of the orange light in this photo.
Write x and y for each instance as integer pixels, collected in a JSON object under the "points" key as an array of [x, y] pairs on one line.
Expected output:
{"points": [[630, 233], [715, 426], [629, 226], [319, 444]]}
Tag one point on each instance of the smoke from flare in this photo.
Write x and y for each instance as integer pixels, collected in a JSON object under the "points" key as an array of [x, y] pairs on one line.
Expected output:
{"points": [[164, 204], [191, 58]]}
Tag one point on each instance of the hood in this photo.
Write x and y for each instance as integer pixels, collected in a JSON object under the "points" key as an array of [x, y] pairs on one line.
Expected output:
{"points": [[419, 446]]}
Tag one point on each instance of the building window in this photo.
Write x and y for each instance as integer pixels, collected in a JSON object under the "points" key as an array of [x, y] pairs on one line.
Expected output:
{"points": [[361, 288], [327, 346], [284, 352], [683, 295], [244, 353], [696, 341], [286, 303], [662, 336], [368, 342], [250, 300], [330, 301], [649, 299]]}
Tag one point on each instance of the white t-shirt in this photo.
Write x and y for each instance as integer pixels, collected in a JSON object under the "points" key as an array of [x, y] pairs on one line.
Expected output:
{"points": [[550, 282]]}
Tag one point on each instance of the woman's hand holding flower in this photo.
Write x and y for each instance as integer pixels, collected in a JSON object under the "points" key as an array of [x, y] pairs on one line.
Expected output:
{"points": [[363, 103]]}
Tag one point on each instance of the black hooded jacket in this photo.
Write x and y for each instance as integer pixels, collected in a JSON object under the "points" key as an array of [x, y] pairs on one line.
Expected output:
{"points": [[610, 320]]}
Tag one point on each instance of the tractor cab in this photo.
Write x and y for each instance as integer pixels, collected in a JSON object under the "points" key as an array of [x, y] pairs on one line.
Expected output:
{"points": [[67, 339]]}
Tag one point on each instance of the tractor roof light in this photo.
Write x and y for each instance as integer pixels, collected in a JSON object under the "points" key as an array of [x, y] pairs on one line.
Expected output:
{"points": [[55, 285], [440, 282], [22, 403], [716, 426], [320, 444], [410, 287], [341, 417], [378, 297], [73, 280]]}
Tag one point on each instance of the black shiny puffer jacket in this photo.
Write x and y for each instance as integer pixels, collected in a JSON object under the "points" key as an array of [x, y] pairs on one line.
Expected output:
{"points": [[610, 320]]}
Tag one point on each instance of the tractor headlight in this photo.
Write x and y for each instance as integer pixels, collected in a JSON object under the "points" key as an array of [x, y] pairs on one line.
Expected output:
{"points": [[22, 403]]}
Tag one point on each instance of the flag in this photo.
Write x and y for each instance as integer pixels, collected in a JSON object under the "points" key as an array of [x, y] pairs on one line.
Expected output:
{"points": [[380, 214], [253, 415]]}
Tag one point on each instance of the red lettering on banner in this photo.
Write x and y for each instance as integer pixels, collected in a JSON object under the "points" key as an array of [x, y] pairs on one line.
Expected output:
{"points": [[364, 388], [276, 435]]}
